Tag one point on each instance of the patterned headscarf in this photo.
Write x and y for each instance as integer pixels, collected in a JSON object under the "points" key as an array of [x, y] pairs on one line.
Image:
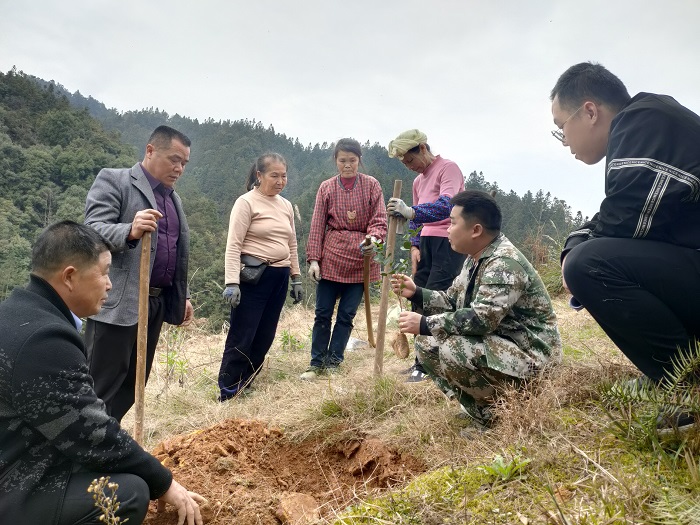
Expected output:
{"points": [[406, 141]]}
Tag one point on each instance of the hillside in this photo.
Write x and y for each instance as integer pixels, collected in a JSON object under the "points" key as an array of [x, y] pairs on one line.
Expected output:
{"points": [[565, 450], [53, 143]]}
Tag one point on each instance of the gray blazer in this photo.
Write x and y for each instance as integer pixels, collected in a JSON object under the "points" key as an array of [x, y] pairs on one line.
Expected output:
{"points": [[111, 205]]}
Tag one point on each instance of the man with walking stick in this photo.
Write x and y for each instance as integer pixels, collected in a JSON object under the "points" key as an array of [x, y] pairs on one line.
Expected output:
{"points": [[122, 205]]}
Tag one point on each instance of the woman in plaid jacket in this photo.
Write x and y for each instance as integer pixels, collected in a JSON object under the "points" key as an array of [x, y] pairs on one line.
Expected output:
{"points": [[348, 207]]}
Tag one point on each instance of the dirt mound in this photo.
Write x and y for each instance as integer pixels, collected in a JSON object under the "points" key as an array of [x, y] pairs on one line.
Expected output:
{"points": [[250, 472]]}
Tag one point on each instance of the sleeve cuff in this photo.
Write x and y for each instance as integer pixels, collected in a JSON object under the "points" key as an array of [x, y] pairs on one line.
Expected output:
{"points": [[424, 330]]}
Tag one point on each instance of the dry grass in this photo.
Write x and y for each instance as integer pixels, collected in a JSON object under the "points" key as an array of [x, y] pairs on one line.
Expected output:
{"points": [[580, 472]]}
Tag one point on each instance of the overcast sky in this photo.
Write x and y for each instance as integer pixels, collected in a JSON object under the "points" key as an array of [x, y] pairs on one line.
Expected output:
{"points": [[475, 76]]}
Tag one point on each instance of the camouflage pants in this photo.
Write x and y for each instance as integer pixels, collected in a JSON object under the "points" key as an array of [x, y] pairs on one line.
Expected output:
{"points": [[459, 364]]}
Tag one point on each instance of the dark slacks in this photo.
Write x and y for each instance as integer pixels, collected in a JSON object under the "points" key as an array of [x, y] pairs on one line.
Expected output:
{"points": [[111, 351], [328, 350], [252, 331], [78, 507], [438, 266], [644, 294]]}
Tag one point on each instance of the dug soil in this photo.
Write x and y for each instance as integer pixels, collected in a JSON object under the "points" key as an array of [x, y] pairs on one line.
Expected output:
{"points": [[248, 472]]}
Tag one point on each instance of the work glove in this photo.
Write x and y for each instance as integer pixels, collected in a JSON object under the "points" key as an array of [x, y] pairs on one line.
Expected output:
{"points": [[296, 292], [232, 295], [364, 248], [399, 208], [314, 271]]}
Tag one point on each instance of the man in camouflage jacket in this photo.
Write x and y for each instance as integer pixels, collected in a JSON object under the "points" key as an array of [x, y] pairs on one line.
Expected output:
{"points": [[495, 324]]}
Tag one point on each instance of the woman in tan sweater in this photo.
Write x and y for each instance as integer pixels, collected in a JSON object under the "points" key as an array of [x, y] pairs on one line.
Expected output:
{"points": [[261, 226]]}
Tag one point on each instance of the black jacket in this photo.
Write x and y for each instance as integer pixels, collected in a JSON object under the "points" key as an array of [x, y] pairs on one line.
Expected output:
{"points": [[652, 176], [51, 421]]}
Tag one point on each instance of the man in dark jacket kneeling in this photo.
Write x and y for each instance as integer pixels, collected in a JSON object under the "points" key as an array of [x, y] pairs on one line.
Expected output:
{"points": [[55, 436]]}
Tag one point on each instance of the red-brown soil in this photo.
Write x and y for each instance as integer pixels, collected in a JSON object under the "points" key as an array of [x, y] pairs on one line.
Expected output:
{"points": [[243, 468]]}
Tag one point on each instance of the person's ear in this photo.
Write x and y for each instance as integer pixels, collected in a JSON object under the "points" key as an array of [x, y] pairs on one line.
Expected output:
{"points": [[477, 230], [591, 111], [68, 276]]}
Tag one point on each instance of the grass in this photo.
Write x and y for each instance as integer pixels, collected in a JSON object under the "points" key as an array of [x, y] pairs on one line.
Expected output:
{"points": [[564, 451]]}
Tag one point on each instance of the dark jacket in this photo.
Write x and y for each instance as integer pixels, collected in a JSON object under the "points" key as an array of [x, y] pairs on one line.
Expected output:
{"points": [[51, 421], [652, 176]]}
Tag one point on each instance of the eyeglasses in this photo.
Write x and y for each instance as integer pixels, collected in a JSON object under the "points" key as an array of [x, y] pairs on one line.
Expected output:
{"points": [[559, 133]]}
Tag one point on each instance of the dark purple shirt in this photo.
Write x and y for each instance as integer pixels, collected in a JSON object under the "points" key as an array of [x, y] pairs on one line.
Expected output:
{"points": [[168, 234]]}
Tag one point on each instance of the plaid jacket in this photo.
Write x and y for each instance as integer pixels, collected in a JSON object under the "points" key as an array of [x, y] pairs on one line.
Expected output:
{"points": [[341, 220]]}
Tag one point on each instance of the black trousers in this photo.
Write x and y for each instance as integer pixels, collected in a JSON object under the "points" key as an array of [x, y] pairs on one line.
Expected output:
{"points": [[437, 268], [644, 294], [78, 507], [252, 330], [111, 351]]}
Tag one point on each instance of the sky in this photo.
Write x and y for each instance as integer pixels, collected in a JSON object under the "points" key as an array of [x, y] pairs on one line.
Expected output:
{"points": [[475, 76]]}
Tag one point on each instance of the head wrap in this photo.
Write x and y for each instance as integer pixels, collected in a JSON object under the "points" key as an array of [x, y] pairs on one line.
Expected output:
{"points": [[406, 141]]}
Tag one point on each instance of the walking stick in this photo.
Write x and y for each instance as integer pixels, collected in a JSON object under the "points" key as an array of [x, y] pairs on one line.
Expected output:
{"points": [[386, 286], [368, 306], [142, 338]]}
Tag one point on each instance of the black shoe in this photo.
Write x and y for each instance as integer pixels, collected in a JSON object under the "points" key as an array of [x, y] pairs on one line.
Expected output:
{"points": [[409, 370], [668, 423]]}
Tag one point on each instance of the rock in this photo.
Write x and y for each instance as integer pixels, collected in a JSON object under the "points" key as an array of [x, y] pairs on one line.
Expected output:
{"points": [[297, 509]]}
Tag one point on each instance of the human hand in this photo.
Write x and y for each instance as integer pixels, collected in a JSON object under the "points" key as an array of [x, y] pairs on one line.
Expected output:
{"points": [[399, 208], [368, 248], [296, 292], [186, 503], [232, 295], [415, 259], [314, 271], [189, 313], [409, 323], [144, 221], [403, 285]]}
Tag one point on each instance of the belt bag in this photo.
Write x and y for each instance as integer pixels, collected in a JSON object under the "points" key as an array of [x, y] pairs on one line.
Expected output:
{"points": [[252, 269]]}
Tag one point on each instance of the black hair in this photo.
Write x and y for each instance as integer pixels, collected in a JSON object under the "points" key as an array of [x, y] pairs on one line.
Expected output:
{"points": [[66, 243], [416, 150], [163, 136], [589, 81], [479, 206], [260, 165]]}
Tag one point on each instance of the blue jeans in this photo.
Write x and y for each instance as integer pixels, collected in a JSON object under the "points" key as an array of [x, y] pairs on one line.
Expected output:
{"points": [[326, 350]]}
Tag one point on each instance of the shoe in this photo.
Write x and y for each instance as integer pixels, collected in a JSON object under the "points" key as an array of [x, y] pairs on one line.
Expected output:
{"points": [[409, 370], [311, 373], [676, 421], [332, 370], [417, 376]]}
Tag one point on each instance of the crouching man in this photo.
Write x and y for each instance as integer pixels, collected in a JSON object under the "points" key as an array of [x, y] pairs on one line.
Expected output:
{"points": [[55, 435], [494, 325]]}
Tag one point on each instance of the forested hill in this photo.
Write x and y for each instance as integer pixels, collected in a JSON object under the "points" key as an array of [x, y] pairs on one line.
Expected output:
{"points": [[53, 143]]}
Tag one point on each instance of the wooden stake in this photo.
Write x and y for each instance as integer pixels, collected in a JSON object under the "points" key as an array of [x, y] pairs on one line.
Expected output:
{"points": [[386, 287], [368, 306], [142, 338]]}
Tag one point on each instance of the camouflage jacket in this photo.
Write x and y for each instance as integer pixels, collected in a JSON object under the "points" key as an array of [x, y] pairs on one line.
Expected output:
{"points": [[500, 294]]}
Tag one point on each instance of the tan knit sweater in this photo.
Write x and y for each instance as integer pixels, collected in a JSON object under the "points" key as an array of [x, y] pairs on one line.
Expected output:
{"points": [[261, 226]]}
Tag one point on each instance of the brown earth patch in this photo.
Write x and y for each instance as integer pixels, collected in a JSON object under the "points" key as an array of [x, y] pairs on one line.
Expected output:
{"points": [[245, 469]]}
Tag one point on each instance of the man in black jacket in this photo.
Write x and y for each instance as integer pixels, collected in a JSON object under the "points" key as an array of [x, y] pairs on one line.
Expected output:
{"points": [[55, 435], [635, 266]]}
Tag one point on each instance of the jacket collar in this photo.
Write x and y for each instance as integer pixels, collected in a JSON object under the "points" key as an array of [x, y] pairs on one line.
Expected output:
{"points": [[42, 288]]}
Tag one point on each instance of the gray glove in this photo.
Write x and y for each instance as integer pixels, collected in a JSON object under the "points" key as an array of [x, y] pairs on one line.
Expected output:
{"points": [[314, 271], [368, 247], [296, 292], [232, 295], [399, 208]]}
